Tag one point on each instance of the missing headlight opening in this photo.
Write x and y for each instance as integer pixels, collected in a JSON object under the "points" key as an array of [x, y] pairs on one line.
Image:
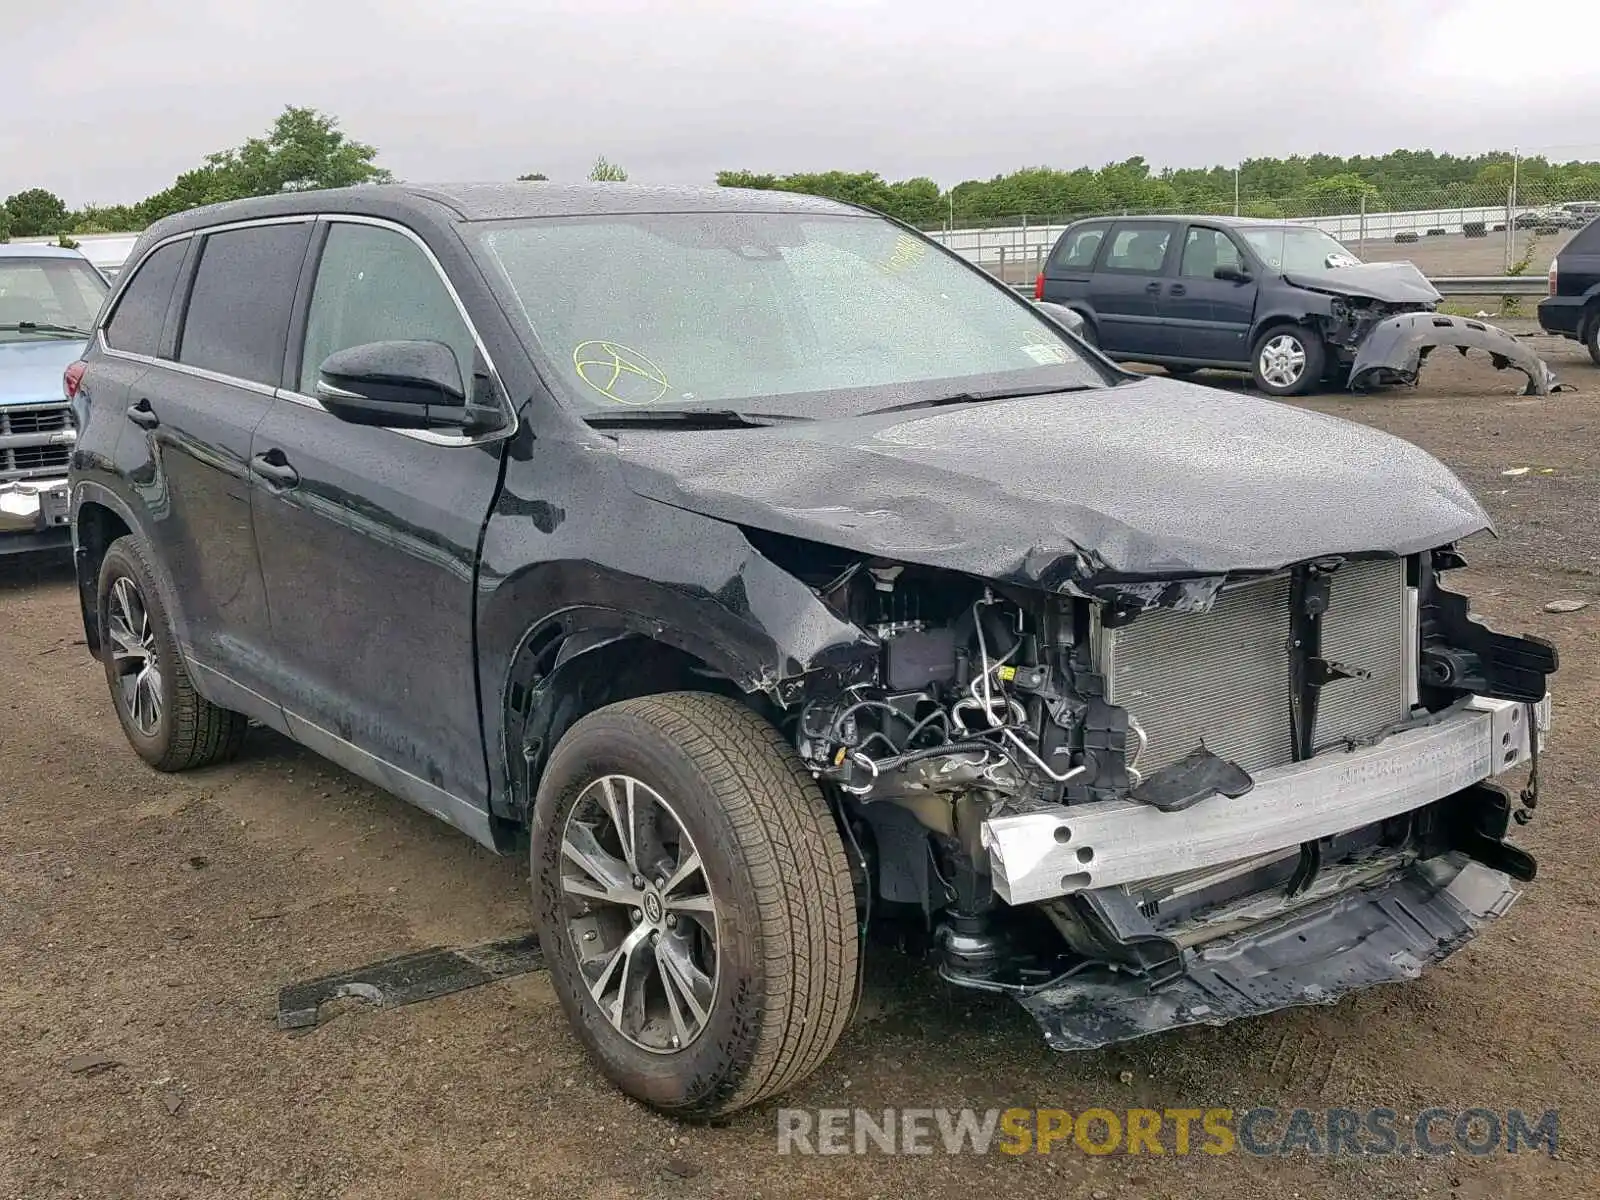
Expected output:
{"points": [[1063, 797]]}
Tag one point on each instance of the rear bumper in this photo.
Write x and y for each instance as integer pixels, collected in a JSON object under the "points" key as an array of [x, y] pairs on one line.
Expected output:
{"points": [[1037, 856], [1562, 315], [1383, 934], [35, 514]]}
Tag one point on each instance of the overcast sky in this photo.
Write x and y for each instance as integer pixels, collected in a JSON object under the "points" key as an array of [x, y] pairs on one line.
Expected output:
{"points": [[111, 99]]}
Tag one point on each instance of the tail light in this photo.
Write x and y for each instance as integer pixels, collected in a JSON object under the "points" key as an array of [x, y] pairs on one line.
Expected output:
{"points": [[1038, 287], [1552, 277], [71, 378]]}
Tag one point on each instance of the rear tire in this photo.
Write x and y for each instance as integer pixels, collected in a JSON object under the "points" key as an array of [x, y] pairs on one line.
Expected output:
{"points": [[1592, 337], [1287, 360], [170, 725], [760, 929]]}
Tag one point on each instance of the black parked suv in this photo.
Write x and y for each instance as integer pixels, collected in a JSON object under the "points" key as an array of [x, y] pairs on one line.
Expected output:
{"points": [[779, 577], [1285, 302], [1573, 307]]}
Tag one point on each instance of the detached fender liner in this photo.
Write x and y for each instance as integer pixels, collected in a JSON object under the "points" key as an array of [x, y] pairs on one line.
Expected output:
{"points": [[1394, 351], [1384, 934]]}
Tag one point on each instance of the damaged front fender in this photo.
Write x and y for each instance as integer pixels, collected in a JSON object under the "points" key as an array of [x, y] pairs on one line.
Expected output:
{"points": [[1394, 351]]}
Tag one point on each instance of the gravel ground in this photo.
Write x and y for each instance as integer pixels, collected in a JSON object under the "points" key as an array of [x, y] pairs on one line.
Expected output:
{"points": [[150, 920]]}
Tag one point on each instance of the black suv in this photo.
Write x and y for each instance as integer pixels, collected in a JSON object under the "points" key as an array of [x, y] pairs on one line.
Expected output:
{"points": [[1573, 306], [780, 576], [1287, 303]]}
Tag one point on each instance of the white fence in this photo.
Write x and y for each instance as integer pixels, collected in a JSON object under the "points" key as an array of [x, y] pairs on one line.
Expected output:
{"points": [[1023, 244]]}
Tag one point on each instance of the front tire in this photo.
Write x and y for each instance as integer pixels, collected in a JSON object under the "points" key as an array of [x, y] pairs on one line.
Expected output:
{"points": [[1287, 360], [694, 902], [1592, 337], [170, 725]]}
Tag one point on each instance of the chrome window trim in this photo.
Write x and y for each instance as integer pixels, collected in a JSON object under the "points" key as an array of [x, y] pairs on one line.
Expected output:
{"points": [[429, 436], [433, 437], [249, 385]]}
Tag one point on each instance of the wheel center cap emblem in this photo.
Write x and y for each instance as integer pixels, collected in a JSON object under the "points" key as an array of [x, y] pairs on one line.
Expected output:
{"points": [[652, 907]]}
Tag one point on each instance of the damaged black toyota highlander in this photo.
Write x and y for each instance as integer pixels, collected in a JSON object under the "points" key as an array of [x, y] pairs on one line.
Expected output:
{"points": [[790, 585]]}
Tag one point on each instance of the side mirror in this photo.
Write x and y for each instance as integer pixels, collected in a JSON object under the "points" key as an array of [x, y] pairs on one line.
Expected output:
{"points": [[400, 385], [1062, 315], [1231, 274]]}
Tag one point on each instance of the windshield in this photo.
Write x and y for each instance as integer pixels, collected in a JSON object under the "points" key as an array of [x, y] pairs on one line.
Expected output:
{"points": [[1297, 248], [772, 312], [54, 293]]}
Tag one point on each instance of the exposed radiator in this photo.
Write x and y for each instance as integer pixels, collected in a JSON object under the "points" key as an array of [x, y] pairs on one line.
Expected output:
{"points": [[1222, 677], [1365, 627]]}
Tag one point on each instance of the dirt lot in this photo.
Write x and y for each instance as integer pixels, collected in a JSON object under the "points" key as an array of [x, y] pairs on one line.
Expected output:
{"points": [[151, 920]]}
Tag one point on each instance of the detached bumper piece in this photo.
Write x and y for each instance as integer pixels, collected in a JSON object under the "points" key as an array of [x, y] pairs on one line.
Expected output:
{"points": [[1394, 351], [1387, 933]]}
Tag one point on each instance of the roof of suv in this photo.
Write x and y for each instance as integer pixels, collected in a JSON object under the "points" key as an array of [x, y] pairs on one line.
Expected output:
{"points": [[502, 201]]}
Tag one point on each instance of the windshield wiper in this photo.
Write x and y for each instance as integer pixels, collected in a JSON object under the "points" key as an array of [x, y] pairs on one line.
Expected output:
{"points": [[686, 418], [980, 397], [43, 327]]}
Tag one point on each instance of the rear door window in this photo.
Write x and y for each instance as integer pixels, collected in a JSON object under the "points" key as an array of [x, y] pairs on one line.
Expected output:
{"points": [[238, 313], [136, 324], [1077, 248], [1138, 247]]}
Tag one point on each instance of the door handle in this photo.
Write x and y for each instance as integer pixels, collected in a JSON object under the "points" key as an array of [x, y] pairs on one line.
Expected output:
{"points": [[142, 415], [273, 466], [1179, 290], [1153, 288]]}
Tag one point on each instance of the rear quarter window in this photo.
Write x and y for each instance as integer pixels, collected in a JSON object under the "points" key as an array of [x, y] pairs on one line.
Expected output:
{"points": [[1585, 241], [1077, 248], [237, 319], [136, 322]]}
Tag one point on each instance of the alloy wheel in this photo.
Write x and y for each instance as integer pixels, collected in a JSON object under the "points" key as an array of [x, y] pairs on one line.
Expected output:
{"points": [[135, 660], [640, 914], [1283, 361]]}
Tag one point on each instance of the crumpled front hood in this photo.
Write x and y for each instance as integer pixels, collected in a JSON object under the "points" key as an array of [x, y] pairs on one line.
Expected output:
{"points": [[1390, 282], [1087, 491], [30, 371]]}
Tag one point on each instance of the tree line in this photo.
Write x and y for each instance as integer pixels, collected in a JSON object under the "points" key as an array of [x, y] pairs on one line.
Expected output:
{"points": [[305, 148], [1298, 186]]}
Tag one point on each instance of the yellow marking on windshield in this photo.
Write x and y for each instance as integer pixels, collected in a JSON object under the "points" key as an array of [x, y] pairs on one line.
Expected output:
{"points": [[907, 250], [619, 373]]}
